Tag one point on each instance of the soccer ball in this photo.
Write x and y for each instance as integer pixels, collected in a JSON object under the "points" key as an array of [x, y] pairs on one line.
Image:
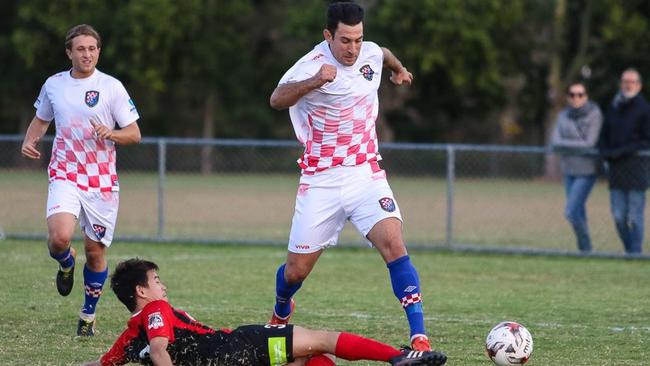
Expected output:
{"points": [[509, 343]]}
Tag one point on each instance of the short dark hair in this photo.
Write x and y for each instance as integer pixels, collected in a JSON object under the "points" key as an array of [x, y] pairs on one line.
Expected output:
{"points": [[82, 30], [574, 83], [344, 12], [128, 275]]}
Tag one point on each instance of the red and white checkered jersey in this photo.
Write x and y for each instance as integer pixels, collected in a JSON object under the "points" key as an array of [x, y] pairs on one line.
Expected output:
{"points": [[336, 122], [78, 155]]}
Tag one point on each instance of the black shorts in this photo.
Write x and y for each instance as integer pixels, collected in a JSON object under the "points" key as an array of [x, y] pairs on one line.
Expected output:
{"points": [[263, 345], [248, 345], [257, 345]]}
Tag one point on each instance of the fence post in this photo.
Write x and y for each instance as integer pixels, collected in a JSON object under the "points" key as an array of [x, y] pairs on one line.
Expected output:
{"points": [[451, 171], [162, 168]]}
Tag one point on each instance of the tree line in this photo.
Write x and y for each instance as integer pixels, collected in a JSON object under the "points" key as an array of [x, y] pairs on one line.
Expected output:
{"points": [[486, 71]]}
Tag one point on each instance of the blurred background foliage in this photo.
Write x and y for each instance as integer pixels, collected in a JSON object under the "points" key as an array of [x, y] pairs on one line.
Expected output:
{"points": [[486, 71]]}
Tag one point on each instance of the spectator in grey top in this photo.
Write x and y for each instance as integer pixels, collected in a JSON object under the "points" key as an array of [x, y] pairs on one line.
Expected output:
{"points": [[576, 130]]}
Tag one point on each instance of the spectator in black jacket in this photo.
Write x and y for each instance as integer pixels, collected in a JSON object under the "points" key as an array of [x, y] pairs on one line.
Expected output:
{"points": [[625, 132]]}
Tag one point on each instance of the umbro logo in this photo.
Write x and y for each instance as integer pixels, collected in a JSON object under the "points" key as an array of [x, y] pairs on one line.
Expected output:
{"points": [[410, 289]]}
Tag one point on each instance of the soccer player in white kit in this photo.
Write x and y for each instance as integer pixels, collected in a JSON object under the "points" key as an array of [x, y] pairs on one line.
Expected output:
{"points": [[332, 98], [85, 104]]}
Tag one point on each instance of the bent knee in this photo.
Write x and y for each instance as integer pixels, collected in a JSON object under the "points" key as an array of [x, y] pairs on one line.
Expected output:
{"points": [[619, 218], [296, 274], [571, 216], [298, 266], [59, 240], [392, 251]]}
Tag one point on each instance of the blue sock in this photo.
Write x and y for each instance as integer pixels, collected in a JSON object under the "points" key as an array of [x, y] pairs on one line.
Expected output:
{"points": [[65, 259], [93, 284], [283, 293], [406, 287]]}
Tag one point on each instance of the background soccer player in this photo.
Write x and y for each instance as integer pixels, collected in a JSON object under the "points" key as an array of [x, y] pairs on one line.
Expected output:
{"points": [[85, 104], [160, 334], [332, 98]]}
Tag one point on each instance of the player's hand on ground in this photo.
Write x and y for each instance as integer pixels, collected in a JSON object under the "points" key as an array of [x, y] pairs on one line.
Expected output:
{"points": [[403, 76], [30, 148], [101, 130], [326, 74]]}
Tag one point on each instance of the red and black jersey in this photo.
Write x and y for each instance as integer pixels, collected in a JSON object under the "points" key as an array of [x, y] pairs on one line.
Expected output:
{"points": [[192, 343], [159, 319]]}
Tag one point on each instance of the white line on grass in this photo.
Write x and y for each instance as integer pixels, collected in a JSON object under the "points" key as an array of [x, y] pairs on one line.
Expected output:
{"points": [[464, 320]]}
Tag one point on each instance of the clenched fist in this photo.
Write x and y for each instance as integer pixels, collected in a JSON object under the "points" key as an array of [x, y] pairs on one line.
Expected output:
{"points": [[101, 130], [326, 74]]}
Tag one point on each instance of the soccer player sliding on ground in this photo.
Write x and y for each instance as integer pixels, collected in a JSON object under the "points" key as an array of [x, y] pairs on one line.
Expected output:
{"points": [[159, 334]]}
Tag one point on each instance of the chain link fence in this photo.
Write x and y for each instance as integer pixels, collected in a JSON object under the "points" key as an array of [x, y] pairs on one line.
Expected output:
{"points": [[467, 197]]}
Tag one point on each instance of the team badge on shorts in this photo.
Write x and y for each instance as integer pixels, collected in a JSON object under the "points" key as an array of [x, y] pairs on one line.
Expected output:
{"points": [[92, 97], [99, 230], [387, 204], [367, 72]]}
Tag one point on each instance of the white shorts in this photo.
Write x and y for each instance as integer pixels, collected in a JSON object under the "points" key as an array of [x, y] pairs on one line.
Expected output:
{"points": [[96, 211], [326, 200]]}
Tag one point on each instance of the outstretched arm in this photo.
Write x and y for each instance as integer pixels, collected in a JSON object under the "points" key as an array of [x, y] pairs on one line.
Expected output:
{"points": [[399, 73], [35, 132], [286, 95]]}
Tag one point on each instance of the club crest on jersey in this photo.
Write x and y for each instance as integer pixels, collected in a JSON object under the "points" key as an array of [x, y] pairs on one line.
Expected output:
{"points": [[99, 230], [387, 204], [367, 72], [155, 321], [92, 97]]}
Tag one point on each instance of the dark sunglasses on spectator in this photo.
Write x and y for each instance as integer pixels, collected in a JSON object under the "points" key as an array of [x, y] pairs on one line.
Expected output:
{"points": [[574, 95]]}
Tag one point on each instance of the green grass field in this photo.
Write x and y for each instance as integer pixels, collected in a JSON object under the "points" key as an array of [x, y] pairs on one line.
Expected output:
{"points": [[581, 311], [236, 207]]}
